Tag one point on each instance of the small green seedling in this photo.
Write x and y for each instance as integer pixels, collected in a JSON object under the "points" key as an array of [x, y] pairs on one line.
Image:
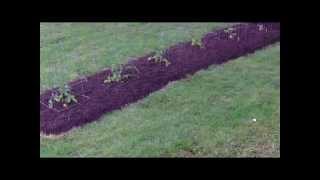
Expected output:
{"points": [[196, 42], [63, 95], [231, 33], [117, 74], [158, 58]]}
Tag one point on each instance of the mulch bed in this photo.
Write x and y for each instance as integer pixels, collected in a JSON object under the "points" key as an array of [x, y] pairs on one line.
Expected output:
{"points": [[96, 98]]}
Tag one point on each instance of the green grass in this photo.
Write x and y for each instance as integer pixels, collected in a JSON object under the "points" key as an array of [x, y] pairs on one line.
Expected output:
{"points": [[72, 50], [207, 115]]}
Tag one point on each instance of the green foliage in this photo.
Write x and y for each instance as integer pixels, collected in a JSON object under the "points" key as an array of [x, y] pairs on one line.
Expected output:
{"points": [[196, 42], [232, 34], [63, 95], [117, 73], [158, 58]]}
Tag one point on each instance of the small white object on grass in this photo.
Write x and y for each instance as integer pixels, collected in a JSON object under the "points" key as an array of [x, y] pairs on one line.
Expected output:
{"points": [[254, 120]]}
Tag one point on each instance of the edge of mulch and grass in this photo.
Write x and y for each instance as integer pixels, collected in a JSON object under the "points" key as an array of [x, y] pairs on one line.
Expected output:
{"points": [[114, 88]]}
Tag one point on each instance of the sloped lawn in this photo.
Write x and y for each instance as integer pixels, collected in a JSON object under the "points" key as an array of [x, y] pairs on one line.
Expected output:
{"points": [[208, 114]]}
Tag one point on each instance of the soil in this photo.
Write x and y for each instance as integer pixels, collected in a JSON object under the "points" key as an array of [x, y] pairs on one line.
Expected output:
{"points": [[184, 58]]}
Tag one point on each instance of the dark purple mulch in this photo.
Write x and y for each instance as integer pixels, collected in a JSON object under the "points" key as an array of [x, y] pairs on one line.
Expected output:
{"points": [[96, 98]]}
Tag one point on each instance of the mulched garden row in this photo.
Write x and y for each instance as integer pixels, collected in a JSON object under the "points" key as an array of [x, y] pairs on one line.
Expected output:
{"points": [[95, 98]]}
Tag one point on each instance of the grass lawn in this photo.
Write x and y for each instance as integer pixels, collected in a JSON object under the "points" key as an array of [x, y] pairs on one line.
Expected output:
{"points": [[207, 115], [71, 50]]}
